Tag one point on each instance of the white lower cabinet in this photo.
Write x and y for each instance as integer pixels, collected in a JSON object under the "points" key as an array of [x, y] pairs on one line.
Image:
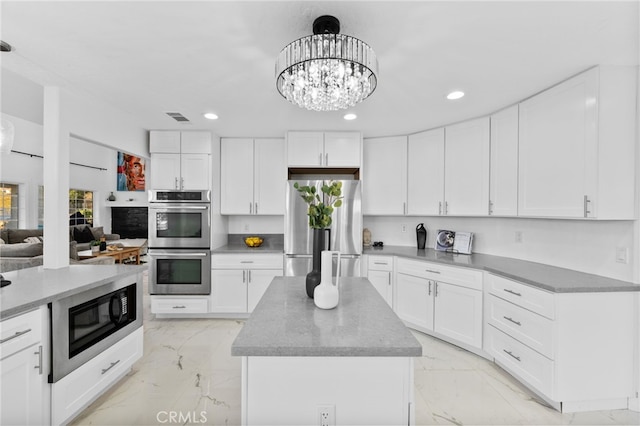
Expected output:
{"points": [[23, 381], [440, 300], [238, 281], [380, 274], [75, 391], [574, 349], [163, 305]]}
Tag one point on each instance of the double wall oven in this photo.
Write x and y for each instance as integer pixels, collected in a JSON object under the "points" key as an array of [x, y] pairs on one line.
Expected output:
{"points": [[179, 242]]}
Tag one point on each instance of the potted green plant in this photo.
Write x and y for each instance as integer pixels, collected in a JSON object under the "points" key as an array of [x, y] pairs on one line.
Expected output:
{"points": [[95, 247], [321, 206]]}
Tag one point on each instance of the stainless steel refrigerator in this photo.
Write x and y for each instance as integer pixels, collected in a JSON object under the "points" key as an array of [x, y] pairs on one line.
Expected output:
{"points": [[346, 229]]}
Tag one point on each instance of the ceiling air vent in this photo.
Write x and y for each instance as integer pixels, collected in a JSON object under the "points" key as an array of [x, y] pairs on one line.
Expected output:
{"points": [[178, 117]]}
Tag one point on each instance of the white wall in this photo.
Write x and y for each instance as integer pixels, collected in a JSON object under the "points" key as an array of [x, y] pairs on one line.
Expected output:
{"points": [[588, 246]]}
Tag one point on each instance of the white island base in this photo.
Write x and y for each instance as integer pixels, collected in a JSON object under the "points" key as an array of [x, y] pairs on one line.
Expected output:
{"points": [[347, 390]]}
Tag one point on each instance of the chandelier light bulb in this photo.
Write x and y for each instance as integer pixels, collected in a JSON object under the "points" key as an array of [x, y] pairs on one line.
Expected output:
{"points": [[455, 95], [326, 71]]}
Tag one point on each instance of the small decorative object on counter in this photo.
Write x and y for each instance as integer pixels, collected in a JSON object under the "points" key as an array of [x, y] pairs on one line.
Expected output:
{"points": [[421, 235], [366, 237], [103, 243], [327, 294], [444, 240], [111, 197], [253, 241], [95, 246]]}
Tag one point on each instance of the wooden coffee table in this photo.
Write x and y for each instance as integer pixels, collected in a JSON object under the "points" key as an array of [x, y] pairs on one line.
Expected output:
{"points": [[121, 254]]}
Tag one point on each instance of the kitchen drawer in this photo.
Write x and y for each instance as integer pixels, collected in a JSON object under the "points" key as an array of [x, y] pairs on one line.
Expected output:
{"points": [[380, 263], [179, 305], [75, 391], [242, 261], [538, 301], [20, 332], [529, 328], [465, 277], [535, 369]]}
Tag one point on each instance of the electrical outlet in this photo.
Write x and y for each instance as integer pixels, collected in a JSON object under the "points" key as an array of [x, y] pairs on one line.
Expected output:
{"points": [[519, 237], [404, 228], [326, 415], [246, 226], [622, 255]]}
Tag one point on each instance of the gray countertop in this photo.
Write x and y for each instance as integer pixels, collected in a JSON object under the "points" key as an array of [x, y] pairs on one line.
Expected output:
{"points": [[287, 323], [33, 287], [550, 278], [272, 243]]}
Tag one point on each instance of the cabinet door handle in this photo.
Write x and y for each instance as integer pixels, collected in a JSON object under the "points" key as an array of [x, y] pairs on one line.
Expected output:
{"points": [[181, 183], [320, 158], [17, 334], [104, 370], [512, 320], [446, 207], [586, 206], [246, 261], [39, 366], [439, 207], [175, 184], [490, 207], [511, 354], [435, 289], [326, 159], [512, 292], [380, 263], [404, 208], [250, 207], [389, 278], [429, 288], [249, 277], [432, 271], [244, 276], [179, 307], [256, 209]]}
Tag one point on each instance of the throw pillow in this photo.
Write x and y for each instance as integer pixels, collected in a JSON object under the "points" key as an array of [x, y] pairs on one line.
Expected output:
{"points": [[83, 235], [97, 232], [33, 240]]}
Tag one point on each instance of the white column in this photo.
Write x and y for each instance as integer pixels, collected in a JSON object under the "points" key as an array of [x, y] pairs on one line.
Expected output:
{"points": [[56, 180]]}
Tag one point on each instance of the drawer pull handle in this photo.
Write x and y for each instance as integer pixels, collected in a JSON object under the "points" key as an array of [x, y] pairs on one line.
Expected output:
{"points": [[39, 366], [512, 320], [104, 370], [512, 292], [180, 307], [432, 271], [429, 288], [18, 334], [246, 261], [512, 355], [380, 263]]}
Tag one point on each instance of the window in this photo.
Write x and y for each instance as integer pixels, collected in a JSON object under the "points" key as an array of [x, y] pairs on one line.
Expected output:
{"points": [[9, 206], [40, 207], [80, 207]]}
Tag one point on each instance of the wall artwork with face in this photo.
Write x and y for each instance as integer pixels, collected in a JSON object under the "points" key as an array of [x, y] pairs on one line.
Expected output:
{"points": [[130, 172]]}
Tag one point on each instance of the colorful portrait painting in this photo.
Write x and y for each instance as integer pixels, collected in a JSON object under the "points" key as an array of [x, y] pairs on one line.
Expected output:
{"points": [[130, 172]]}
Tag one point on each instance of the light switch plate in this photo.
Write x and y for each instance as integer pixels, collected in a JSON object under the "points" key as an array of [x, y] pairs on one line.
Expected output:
{"points": [[622, 255]]}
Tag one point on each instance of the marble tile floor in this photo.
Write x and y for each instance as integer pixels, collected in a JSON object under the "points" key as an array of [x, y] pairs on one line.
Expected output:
{"points": [[187, 371]]}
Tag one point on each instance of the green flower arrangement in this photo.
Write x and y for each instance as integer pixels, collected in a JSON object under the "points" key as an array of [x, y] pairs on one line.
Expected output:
{"points": [[320, 210]]}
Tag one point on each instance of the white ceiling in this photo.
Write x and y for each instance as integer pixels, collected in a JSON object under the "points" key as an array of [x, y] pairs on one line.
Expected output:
{"points": [[152, 57]]}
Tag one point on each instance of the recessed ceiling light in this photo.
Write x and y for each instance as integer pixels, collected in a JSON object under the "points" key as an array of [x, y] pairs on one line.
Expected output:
{"points": [[350, 116], [210, 116], [455, 95]]}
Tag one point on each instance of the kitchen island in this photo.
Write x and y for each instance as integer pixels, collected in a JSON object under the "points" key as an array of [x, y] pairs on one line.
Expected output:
{"points": [[352, 364]]}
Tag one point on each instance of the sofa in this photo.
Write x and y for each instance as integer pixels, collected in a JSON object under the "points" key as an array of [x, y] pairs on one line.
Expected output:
{"points": [[84, 234], [16, 253]]}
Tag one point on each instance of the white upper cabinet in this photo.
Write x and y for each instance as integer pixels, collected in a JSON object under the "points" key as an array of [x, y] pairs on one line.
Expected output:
{"points": [[384, 176], [576, 146], [425, 173], [324, 149], [180, 160], [253, 176], [503, 180], [466, 171]]}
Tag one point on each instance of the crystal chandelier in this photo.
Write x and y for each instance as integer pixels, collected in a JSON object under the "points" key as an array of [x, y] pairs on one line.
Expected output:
{"points": [[326, 71]]}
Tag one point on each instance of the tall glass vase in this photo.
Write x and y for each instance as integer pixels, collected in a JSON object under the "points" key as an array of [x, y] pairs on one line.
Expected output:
{"points": [[313, 277]]}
